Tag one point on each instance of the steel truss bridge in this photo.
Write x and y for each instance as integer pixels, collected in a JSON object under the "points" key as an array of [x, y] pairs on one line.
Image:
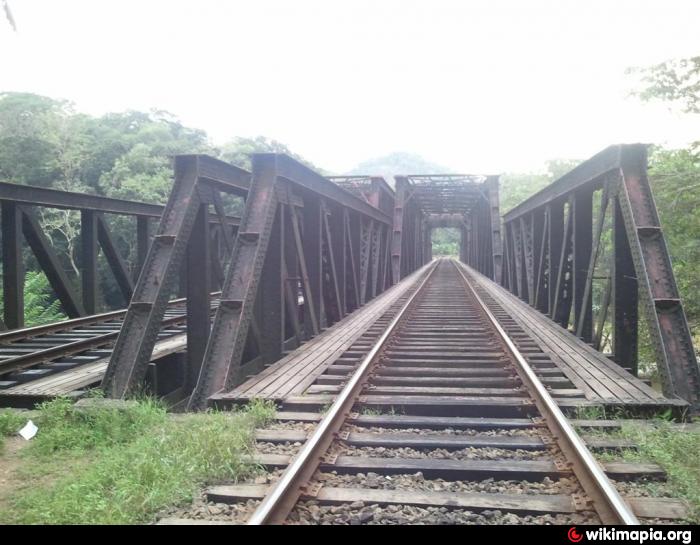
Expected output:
{"points": [[212, 300]]}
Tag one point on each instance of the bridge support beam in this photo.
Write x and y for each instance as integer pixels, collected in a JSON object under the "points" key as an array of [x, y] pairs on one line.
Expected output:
{"points": [[578, 265], [12, 266]]}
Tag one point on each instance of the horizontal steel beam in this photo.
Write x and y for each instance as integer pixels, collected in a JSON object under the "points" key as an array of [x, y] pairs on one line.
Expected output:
{"points": [[227, 177], [54, 198], [304, 177], [591, 171]]}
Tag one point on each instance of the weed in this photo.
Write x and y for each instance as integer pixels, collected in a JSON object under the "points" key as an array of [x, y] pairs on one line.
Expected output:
{"points": [[675, 450], [10, 423], [150, 463], [63, 427]]}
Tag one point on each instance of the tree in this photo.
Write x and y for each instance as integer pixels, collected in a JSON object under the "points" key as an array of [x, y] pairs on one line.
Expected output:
{"points": [[127, 155], [41, 306], [516, 187], [239, 149], [675, 81], [674, 176]]}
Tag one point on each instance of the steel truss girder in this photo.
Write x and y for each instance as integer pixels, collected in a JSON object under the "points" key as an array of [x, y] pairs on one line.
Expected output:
{"points": [[467, 202], [260, 256], [570, 248]]}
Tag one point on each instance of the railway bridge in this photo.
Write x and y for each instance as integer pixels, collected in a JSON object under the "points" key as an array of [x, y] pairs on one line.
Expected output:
{"points": [[215, 306], [324, 296]]}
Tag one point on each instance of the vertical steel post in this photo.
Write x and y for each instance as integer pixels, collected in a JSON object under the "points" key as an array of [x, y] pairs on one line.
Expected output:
{"points": [[271, 297], [583, 242], [198, 263], [143, 241], [625, 297], [12, 266], [88, 273], [397, 238]]}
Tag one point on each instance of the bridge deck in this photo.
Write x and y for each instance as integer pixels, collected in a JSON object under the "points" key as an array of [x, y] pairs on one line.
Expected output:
{"points": [[297, 371], [576, 374], [75, 381]]}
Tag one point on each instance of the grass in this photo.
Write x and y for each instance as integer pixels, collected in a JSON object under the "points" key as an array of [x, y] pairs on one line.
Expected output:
{"points": [[674, 449], [62, 427], [131, 463], [664, 443], [670, 446], [10, 423]]}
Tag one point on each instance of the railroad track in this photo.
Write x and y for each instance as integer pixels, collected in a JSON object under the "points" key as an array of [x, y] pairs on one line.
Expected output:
{"points": [[36, 352], [372, 456]]}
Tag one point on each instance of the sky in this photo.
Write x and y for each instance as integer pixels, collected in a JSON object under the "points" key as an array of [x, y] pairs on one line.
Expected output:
{"points": [[478, 86]]}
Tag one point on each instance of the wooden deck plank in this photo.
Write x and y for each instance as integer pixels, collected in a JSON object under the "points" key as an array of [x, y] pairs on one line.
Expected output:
{"points": [[86, 375], [663, 508], [589, 370], [298, 370]]}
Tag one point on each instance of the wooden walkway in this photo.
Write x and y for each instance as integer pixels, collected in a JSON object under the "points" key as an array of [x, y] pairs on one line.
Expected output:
{"points": [[599, 378], [296, 372], [74, 382], [578, 375]]}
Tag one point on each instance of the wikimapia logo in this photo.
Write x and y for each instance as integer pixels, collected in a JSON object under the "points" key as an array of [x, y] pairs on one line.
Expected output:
{"points": [[637, 536], [573, 535]]}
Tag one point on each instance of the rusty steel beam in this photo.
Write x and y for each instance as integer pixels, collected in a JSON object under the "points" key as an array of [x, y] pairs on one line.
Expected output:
{"points": [[50, 264], [640, 271], [590, 173], [88, 261], [114, 258], [668, 326], [303, 176], [132, 351], [12, 265], [53, 198]]}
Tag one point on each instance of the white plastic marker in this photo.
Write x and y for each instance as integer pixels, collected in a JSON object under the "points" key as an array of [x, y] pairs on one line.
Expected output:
{"points": [[29, 430]]}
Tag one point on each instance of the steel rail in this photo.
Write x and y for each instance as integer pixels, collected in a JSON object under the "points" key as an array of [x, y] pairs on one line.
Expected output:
{"points": [[280, 500], [69, 349], [94, 319], [607, 501]]}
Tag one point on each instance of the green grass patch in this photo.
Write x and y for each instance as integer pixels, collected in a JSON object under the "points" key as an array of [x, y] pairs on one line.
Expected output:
{"points": [[676, 450], [10, 423], [63, 427], [140, 461]]}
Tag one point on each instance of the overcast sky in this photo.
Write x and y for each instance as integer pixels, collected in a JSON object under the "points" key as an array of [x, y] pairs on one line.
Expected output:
{"points": [[478, 86]]}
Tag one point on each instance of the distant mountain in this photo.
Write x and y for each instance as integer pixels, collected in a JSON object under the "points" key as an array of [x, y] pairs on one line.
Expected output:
{"points": [[398, 163]]}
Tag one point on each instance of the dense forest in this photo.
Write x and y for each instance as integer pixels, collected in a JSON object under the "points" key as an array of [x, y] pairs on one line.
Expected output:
{"points": [[45, 142]]}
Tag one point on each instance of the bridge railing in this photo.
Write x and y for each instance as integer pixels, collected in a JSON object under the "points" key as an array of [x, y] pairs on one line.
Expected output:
{"points": [[587, 249], [466, 202], [21, 208], [307, 253]]}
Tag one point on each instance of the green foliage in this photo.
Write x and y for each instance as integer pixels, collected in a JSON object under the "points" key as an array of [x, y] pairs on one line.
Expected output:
{"points": [[446, 241], [517, 187], [161, 463], [675, 180], [239, 149], [676, 81], [40, 304], [675, 451], [63, 427], [10, 423]]}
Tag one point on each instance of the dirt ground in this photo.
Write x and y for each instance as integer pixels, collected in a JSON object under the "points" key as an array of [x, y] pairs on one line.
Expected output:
{"points": [[10, 463]]}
